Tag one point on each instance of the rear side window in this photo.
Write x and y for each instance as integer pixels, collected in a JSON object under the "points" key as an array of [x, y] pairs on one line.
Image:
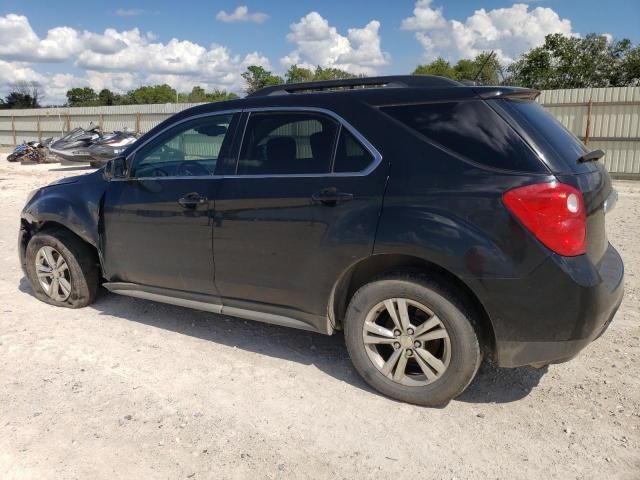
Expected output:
{"points": [[471, 130], [351, 156], [287, 143]]}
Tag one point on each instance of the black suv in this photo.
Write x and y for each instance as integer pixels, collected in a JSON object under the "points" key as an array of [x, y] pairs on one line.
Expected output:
{"points": [[434, 222]]}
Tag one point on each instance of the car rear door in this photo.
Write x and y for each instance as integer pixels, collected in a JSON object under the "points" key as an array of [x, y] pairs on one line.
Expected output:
{"points": [[301, 207]]}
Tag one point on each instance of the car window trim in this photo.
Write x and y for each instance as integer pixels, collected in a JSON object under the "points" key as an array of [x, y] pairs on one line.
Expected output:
{"points": [[334, 152], [338, 127], [377, 156], [131, 156]]}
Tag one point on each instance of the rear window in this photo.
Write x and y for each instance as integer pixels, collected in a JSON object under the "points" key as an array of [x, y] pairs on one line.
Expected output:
{"points": [[547, 133], [471, 130]]}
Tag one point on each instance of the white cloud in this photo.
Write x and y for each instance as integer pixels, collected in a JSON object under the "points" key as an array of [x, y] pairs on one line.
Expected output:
{"points": [[509, 31], [108, 43], [241, 14], [214, 65], [318, 43], [12, 72], [118, 60], [19, 42], [129, 12]]}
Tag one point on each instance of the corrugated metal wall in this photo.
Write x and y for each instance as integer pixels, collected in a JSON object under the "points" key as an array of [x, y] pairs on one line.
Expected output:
{"points": [[50, 122], [606, 118]]}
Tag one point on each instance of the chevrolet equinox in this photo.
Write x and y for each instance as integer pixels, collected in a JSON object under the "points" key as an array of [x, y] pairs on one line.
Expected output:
{"points": [[436, 223]]}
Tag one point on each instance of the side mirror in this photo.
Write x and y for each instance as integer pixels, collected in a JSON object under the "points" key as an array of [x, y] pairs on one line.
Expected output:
{"points": [[116, 168]]}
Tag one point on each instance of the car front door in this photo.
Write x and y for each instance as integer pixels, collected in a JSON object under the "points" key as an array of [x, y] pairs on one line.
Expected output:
{"points": [[302, 206], [158, 222]]}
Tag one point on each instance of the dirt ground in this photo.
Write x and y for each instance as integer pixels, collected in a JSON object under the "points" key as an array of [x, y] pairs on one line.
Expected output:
{"points": [[129, 388]]}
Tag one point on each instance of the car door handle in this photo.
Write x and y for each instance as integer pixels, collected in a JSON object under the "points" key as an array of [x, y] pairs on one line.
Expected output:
{"points": [[331, 197], [192, 200]]}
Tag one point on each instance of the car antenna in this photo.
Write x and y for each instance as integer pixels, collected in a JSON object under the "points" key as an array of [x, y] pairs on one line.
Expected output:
{"points": [[483, 65]]}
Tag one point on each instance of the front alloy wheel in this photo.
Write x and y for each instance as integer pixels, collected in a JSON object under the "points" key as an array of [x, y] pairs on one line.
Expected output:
{"points": [[53, 273], [61, 268]]}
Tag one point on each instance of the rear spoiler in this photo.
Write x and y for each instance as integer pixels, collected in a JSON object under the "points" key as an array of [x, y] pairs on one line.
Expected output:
{"points": [[510, 93], [591, 156]]}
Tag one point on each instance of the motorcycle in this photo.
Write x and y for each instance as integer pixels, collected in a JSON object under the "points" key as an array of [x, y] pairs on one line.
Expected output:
{"points": [[109, 146], [30, 152]]}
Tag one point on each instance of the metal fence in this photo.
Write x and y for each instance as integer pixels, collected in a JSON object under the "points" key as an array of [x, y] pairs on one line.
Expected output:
{"points": [[606, 118], [40, 123]]}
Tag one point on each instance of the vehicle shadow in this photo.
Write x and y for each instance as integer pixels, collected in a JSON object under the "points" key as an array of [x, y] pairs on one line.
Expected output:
{"points": [[327, 353], [502, 385]]}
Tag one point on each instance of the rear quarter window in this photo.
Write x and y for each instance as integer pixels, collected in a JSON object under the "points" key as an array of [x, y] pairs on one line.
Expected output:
{"points": [[560, 147], [470, 130]]}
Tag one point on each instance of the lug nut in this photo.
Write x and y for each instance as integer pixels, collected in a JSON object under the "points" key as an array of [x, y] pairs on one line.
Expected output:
{"points": [[397, 333], [396, 345], [416, 344], [409, 352], [410, 331]]}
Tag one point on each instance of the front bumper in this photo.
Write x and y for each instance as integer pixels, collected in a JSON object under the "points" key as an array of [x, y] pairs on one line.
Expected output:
{"points": [[551, 315], [23, 240]]}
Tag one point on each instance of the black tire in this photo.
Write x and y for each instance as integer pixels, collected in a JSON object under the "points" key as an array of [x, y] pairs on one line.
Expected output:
{"points": [[13, 158], [81, 260], [465, 353]]}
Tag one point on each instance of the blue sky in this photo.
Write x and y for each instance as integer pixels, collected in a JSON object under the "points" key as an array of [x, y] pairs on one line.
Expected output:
{"points": [[122, 45]]}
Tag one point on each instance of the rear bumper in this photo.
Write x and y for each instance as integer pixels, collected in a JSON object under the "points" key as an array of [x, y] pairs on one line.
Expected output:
{"points": [[551, 315]]}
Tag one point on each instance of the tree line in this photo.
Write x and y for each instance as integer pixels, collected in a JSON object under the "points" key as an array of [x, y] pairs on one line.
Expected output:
{"points": [[88, 97], [561, 62]]}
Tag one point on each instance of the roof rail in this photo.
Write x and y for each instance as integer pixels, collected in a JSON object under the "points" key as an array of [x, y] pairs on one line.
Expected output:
{"points": [[395, 81]]}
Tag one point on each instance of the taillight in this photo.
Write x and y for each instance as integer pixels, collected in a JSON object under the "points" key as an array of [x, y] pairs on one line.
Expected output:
{"points": [[554, 213]]}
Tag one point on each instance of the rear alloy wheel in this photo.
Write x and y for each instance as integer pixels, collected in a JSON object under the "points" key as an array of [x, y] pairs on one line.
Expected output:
{"points": [[412, 339], [406, 342]]}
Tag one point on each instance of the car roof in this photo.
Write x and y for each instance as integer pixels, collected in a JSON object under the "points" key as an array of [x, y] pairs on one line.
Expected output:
{"points": [[374, 91]]}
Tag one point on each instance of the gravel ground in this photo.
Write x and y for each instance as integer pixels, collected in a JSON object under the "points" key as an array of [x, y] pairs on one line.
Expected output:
{"points": [[129, 388]]}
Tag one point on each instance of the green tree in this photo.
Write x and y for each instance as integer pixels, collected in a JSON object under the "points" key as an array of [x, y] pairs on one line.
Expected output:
{"points": [[81, 97], [465, 69], [485, 66], [152, 94], [106, 97], [439, 67], [631, 67], [220, 96], [297, 74], [23, 95], [331, 74], [198, 95], [18, 100], [258, 77], [571, 62]]}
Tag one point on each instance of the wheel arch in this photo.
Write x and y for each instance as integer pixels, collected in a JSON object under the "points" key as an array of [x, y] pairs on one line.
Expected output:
{"points": [[30, 229], [379, 265]]}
